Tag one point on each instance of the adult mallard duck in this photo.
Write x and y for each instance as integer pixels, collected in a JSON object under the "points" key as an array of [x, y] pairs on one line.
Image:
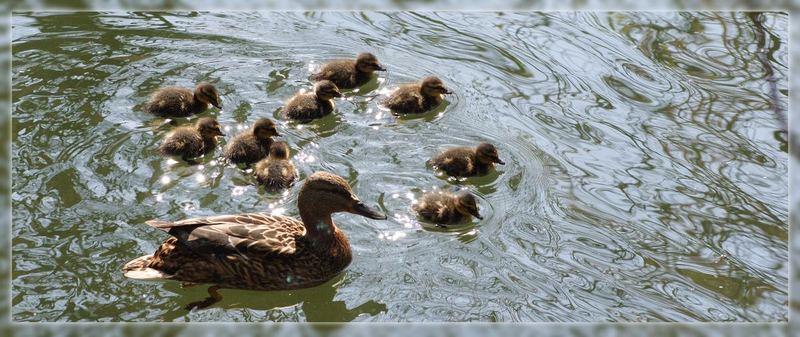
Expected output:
{"points": [[192, 141], [253, 144], [447, 208], [349, 74], [465, 161], [277, 171], [182, 102], [258, 251], [304, 107], [418, 97]]}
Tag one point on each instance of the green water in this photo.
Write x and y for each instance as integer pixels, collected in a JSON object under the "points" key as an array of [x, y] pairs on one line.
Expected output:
{"points": [[646, 175]]}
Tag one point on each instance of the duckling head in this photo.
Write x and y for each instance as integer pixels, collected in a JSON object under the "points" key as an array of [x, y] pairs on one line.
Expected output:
{"points": [[432, 86], [487, 154], [326, 90], [265, 128], [206, 92], [279, 150], [467, 204], [367, 63], [208, 128], [328, 193]]}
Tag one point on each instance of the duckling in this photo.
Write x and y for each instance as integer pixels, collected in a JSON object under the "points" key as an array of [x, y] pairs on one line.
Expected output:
{"points": [[417, 98], [192, 141], [465, 161], [250, 146], [349, 74], [258, 251], [182, 102], [277, 171], [306, 107], [447, 208]]}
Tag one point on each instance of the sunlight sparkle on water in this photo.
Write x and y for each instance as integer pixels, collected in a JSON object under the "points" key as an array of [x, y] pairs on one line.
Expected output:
{"points": [[171, 161], [238, 190], [394, 236], [165, 180], [201, 178]]}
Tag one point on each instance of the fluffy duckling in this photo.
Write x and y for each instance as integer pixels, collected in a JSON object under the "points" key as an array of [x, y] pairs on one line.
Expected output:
{"points": [[465, 161], [182, 102], [192, 141], [258, 251], [252, 145], [277, 171], [349, 74], [417, 98], [447, 208], [309, 106]]}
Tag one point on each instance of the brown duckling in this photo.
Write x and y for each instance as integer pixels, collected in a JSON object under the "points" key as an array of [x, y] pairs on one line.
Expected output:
{"points": [[258, 251], [277, 171], [467, 161], [349, 74], [417, 98], [447, 208], [192, 141], [309, 106], [252, 145], [182, 102]]}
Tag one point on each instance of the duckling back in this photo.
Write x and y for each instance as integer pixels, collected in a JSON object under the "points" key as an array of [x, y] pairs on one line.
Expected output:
{"points": [[246, 148], [185, 142], [173, 102], [306, 107], [275, 174], [458, 162], [407, 99]]}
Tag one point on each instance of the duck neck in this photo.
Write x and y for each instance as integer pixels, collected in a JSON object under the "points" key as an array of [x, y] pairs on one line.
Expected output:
{"points": [[198, 105], [320, 228]]}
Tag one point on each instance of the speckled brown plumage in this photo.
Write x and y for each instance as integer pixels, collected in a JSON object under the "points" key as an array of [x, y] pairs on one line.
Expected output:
{"points": [[416, 98], [256, 250], [253, 144], [467, 161], [304, 107], [446, 208], [182, 102], [276, 172], [348, 74], [192, 141]]}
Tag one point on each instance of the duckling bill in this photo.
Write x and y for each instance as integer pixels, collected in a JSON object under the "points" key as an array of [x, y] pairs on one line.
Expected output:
{"points": [[253, 144], [349, 74], [417, 98], [310, 106], [258, 251], [192, 141], [465, 161], [444, 208], [277, 171], [182, 102]]}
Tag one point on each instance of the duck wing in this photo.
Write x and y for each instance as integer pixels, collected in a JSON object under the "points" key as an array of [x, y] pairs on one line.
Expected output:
{"points": [[257, 233]]}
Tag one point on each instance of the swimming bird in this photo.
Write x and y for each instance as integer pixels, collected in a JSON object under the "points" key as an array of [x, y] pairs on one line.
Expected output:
{"points": [[349, 74], [192, 141], [277, 171], [465, 161], [445, 208], [253, 144], [418, 97], [182, 102], [258, 251], [309, 106]]}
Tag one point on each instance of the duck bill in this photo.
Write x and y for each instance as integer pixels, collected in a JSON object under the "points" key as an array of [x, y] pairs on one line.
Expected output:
{"points": [[219, 133], [337, 94], [447, 91], [217, 105], [499, 161], [369, 212], [380, 68], [477, 215]]}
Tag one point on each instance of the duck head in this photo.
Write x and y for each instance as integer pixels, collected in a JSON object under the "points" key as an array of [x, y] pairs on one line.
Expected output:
{"points": [[367, 63], [467, 204], [325, 193], [208, 128], [326, 90], [279, 150], [264, 129], [206, 92], [487, 154], [432, 86]]}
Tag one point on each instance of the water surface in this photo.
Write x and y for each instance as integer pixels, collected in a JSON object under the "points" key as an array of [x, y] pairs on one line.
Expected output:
{"points": [[646, 175]]}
